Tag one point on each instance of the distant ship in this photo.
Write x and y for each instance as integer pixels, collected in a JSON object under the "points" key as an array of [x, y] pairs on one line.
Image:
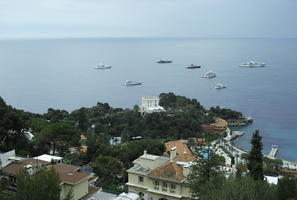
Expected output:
{"points": [[209, 74], [192, 66], [252, 64], [131, 83], [102, 66], [219, 86], [164, 61]]}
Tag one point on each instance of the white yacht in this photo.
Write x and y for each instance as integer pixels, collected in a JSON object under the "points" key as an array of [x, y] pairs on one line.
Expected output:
{"points": [[219, 86], [209, 74], [252, 64], [131, 83], [102, 66]]}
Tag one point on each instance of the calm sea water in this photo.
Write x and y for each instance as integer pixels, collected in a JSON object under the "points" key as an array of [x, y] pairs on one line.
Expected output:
{"points": [[39, 74]]}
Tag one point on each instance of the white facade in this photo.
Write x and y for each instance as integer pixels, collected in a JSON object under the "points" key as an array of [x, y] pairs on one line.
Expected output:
{"points": [[150, 105]]}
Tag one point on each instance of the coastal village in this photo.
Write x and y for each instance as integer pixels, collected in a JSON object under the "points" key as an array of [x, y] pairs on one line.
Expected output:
{"points": [[149, 177]]}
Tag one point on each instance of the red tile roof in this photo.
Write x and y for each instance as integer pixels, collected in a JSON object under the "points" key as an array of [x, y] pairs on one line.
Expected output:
{"points": [[183, 152], [170, 171], [67, 173], [16, 167]]}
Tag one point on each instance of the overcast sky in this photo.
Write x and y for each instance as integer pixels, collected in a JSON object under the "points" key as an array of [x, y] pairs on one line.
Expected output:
{"points": [[148, 18]]}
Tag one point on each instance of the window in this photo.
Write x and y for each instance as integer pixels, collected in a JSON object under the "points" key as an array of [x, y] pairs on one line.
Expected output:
{"points": [[157, 183], [140, 179], [164, 185], [172, 186]]}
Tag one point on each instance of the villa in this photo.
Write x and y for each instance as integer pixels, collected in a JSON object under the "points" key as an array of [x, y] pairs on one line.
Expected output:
{"points": [[150, 105], [70, 176], [159, 177]]}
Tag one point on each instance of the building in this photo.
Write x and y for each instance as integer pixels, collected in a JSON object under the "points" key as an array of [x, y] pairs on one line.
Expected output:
{"points": [[72, 179], [70, 176], [219, 126], [108, 195], [159, 177], [150, 105]]}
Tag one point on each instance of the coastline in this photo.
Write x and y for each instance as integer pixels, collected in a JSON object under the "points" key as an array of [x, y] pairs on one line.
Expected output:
{"points": [[289, 165]]}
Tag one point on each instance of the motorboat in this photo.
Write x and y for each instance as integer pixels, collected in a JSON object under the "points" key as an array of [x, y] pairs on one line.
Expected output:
{"points": [[252, 64], [192, 66], [219, 86], [102, 66], [131, 83], [209, 74], [164, 61]]}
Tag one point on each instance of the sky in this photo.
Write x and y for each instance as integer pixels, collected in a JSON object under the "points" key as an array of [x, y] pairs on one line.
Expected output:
{"points": [[147, 18]]}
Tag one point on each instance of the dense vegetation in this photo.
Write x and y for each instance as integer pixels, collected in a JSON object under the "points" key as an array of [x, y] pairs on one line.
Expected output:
{"points": [[58, 132], [45, 184]]}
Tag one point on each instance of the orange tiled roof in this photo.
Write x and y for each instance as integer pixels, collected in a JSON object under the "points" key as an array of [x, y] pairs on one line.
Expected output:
{"points": [[183, 152], [69, 173], [15, 168], [170, 170]]}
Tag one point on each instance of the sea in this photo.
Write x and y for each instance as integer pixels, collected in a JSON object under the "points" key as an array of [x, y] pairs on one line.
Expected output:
{"points": [[37, 74]]}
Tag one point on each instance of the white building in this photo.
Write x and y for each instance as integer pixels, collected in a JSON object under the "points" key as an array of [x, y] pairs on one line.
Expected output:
{"points": [[150, 105]]}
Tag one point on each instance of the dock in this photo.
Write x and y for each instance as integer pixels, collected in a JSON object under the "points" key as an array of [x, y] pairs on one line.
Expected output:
{"points": [[273, 152]]}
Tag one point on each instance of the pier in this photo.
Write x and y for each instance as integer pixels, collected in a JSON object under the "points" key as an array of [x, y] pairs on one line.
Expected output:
{"points": [[273, 152]]}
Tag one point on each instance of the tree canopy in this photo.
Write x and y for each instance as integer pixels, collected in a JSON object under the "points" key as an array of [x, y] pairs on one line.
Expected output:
{"points": [[44, 184], [255, 157]]}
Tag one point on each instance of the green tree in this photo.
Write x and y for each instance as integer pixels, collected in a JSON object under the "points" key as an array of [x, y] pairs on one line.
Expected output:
{"points": [[107, 168], [287, 188], [58, 135], [255, 157], [244, 188], [82, 120], [271, 166], [44, 184], [206, 170]]}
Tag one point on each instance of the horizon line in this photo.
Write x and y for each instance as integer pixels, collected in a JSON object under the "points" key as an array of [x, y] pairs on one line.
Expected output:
{"points": [[147, 37]]}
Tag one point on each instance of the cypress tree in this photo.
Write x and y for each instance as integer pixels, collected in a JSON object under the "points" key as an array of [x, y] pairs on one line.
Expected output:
{"points": [[255, 158]]}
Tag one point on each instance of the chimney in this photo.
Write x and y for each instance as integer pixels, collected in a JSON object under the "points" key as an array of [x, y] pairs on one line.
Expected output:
{"points": [[172, 154], [144, 152]]}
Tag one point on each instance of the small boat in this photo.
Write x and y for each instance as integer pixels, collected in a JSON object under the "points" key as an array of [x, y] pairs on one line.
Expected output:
{"points": [[131, 83], [252, 64], [102, 66], [209, 74], [164, 61], [192, 66], [219, 86]]}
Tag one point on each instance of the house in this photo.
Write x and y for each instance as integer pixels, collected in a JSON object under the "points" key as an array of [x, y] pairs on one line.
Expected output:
{"points": [[70, 176], [150, 105], [10, 171], [72, 179], [159, 178]]}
